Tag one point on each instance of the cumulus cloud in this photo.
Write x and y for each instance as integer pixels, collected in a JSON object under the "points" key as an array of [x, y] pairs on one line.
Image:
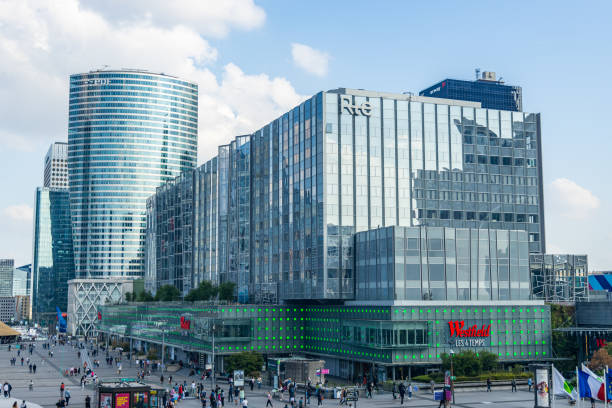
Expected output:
{"points": [[19, 212], [41, 44], [309, 59], [208, 17], [572, 200]]}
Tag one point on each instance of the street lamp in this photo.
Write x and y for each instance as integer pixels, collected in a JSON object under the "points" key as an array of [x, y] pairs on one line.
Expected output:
{"points": [[451, 379], [163, 349], [212, 371]]}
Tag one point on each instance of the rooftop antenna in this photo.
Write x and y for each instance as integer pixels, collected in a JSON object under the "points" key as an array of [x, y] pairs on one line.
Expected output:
{"points": [[477, 72]]}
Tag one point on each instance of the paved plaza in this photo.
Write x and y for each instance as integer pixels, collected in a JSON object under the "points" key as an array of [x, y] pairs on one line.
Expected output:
{"points": [[49, 376]]}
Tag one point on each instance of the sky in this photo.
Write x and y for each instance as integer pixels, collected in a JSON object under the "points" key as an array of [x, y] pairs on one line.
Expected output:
{"points": [[254, 60]]}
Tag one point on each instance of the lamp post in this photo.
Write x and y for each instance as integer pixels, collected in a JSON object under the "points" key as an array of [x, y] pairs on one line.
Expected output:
{"points": [[163, 349], [212, 371], [451, 379]]}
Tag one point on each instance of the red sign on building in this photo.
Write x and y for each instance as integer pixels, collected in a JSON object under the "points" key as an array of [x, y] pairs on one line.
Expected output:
{"points": [[457, 329]]}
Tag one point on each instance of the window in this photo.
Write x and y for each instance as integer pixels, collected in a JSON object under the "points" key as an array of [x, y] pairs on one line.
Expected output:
{"points": [[533, 218], [507, 161], [494, 160], [468, 139], [508, 217], [519, 162], [483, 216], [444, 214], [482, 159], [520, 217], [457, 215], [431, 214], [531, 162], [470, 215], [534, 237], [469, 158], [495, 217]]}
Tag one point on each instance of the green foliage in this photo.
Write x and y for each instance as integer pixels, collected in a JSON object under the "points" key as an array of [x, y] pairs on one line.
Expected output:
{"points": [[129, 297], [152, 354], [226, 291], [502, 375], [469, 363], [564, 345], [249, 361], [205, 291], [167, 293], [144, 296]]}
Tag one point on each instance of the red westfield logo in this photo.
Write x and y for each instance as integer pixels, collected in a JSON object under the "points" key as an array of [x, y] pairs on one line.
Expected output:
{"points": [[457, 330], [185, 324]]}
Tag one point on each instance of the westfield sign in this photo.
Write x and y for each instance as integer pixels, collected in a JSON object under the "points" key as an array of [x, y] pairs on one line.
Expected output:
{"points": [[457, 329]]}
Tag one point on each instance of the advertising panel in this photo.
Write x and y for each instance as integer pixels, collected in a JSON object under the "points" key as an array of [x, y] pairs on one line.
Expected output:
{"points": [[541, 380], [238, 378], [106, 400], [122, 400]]}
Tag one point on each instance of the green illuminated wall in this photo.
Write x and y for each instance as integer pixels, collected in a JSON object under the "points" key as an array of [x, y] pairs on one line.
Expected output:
{"points": [[382, 334]]}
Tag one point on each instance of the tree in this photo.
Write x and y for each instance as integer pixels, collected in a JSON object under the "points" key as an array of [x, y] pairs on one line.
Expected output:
{"points": [[128, 297], [205, 291], [600, 360], [488, 361], [144, 296], [167, 293], [249, 361], [226, 291], [564, 345], [468, 363]]}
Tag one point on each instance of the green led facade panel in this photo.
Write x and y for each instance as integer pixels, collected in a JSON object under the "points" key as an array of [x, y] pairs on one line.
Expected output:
{"points": [[382, 334]]}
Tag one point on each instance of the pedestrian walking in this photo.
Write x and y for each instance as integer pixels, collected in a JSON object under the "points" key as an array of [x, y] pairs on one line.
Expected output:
{"points": [[34, 367], [488, 385], [514, 385], [319, 397], [530, 383], [269, 402], [402, 392], [88, 402], [410, 389], [67, 396]]}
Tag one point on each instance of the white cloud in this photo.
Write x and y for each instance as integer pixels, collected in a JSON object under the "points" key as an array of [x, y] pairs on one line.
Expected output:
{"points": [[41, 44], [208, 17], [571, 200], [309, 59], [19, 212]]}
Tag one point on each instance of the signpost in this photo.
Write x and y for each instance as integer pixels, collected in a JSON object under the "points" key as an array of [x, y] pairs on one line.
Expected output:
{"points": [[542, 390], [352, 395]]}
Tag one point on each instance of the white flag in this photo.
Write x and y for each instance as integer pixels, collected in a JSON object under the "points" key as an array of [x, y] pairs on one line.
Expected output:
{"points": [[562, 387]]}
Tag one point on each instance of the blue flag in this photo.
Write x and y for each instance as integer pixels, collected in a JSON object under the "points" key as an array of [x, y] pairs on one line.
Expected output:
{"points": [[608, 379]]}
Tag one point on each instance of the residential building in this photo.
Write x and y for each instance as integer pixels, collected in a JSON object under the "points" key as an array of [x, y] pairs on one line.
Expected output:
{"points": [[129, 131], [8, 309], [491, 92], [23, 308], [7, 267], [52, 253], [559, 278], [56, 166]]}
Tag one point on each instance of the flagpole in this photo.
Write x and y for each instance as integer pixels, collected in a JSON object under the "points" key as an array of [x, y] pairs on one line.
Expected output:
{"points": [[606, 387], [578, 386]]}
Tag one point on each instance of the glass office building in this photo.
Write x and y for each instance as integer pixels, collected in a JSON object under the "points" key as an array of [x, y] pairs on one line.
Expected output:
{"points": [[433, 263], [52, 254], [560, 278], [491, 93], [6, 277], [129, 131], [276, 211]]}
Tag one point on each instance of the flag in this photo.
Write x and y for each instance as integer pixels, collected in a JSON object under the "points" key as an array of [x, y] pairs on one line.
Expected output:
{"points": [[562, 387], [608, 376], [592, 374], [590, 386]]}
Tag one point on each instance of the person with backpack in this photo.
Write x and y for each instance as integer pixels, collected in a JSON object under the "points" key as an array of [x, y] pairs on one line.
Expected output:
{"points": [[67, 396], [402, 392]]}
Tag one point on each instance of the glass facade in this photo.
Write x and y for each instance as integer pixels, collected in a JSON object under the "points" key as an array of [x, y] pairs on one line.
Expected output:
{"points": [[491, 94], [432, 263], [559, 278], [6, 277], [346, 161], [52, 255], [345, 335], [128, 133]]}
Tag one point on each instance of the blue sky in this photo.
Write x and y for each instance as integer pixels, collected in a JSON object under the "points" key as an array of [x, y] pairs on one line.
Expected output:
{"points": [[244, 57]]}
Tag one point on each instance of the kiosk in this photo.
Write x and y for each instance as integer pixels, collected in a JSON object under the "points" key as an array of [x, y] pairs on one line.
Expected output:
{"points": [[127, 393]]}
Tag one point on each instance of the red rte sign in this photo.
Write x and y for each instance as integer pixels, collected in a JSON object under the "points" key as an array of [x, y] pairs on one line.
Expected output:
{"points": [[457, 329]]}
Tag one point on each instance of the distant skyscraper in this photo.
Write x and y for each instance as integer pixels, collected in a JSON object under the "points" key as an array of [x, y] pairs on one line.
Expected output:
{"points": [[489, 91], [21, 280], [6, 277], [52, 259], [129, 131], [56, 166]]}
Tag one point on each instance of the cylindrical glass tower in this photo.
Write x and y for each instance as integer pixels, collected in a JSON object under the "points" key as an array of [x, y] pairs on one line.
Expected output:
{"points": [[129, 131]]}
